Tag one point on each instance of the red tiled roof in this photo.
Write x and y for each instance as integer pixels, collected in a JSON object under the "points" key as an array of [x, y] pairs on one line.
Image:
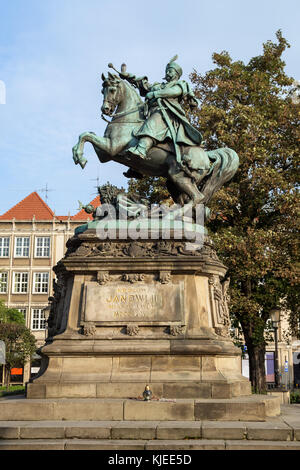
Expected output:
{"points": [[82, 215], [32, 205]]}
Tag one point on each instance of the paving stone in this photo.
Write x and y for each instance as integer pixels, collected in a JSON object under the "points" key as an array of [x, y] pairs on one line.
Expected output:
{"points": [[179, 430], [9, 432], [262, 445], [88, 432], [291, 416], [109, 444], [168, 410], [88, 409], [134, 430], [35, 444], [193, 444], [42, 432], [223, 430], [269, 431]]}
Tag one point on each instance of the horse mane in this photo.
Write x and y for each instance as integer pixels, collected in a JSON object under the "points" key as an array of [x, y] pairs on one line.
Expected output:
{"points": [[132, 89], [114, 79]]}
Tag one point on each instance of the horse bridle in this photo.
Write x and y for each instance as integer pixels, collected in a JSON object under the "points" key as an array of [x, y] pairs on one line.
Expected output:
{"points": [[123, 113]]}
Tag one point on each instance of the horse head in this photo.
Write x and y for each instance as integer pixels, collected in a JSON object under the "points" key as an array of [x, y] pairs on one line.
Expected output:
{"points": [[111, 89]]}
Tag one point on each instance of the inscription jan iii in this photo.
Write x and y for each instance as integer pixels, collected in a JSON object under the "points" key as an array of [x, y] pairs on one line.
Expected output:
{"points": [[144, 303]]}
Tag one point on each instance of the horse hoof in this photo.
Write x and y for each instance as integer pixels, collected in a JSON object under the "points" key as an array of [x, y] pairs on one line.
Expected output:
{"points": [[82, 162]]}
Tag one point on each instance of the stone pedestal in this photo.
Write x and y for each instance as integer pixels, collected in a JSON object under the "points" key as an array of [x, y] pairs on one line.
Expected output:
{"points": [[129, 313]]}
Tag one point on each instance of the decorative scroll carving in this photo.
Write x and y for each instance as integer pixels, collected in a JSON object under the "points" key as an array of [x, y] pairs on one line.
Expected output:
{"points": [[220, 300], [165, 277], [89, 328], [103, 277], [135, 277], [224, 304], [132, 330], [136, 249], [176, 330]]}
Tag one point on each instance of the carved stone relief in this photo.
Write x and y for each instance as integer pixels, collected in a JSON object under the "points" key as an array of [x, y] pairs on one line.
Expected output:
{"points": [[132, 330], [89, 328], [103, 277], [219, 301], [136, 249], [176, 330], [134, 277], [165, 277]]}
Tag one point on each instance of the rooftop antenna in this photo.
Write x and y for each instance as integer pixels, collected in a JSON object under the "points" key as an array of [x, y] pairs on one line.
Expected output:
{"points": [[97, 180], [46, 190]]}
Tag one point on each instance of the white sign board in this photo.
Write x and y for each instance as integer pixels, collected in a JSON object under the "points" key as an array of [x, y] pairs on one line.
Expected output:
{"points": [[2, 352]]}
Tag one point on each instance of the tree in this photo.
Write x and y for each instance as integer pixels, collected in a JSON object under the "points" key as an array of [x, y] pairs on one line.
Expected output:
{"points": [[10, 314], [19, 341], [248, 107]]}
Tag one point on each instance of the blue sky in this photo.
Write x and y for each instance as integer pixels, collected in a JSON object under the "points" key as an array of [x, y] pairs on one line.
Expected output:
{"points": [[52, 54]]}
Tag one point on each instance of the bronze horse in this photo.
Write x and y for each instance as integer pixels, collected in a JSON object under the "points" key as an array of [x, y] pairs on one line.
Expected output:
{"points": [[186, 181]]}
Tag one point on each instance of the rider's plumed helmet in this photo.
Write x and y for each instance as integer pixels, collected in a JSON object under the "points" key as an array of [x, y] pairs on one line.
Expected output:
{"points": [[172, 64]]}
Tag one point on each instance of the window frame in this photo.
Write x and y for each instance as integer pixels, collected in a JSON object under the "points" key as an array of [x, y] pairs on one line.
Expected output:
{"points": [[22, 247], [3, 247], [20, 282], [41, 282], [1, 282], [41, 318], [43, 247]]}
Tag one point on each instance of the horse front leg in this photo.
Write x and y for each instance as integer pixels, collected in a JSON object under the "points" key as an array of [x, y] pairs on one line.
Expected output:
{"points": [[103, 143]]}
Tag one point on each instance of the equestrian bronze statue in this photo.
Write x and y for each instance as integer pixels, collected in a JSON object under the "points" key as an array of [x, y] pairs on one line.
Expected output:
{"points": [[155, 138]]}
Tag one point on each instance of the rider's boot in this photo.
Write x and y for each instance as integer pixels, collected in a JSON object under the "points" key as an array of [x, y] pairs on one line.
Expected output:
{"points": [[143, 147]]}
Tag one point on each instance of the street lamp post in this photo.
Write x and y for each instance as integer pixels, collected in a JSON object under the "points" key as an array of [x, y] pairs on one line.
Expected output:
{"points": [[47, 313], [275, 318]]}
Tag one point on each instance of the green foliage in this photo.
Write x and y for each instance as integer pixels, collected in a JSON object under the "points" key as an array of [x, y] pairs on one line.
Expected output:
{"points": [[255, 220], [295, 397], [9, 315], [13, 390], [154, 188], [20, 343], [255, 217]]}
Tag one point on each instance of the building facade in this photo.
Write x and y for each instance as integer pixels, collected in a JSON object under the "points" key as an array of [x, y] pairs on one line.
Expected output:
{"points": [[288, 348], [32, 241]]}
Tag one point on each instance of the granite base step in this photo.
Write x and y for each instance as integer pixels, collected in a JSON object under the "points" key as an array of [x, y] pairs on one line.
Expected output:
{"points": [[120, 445], [272, 430], [276, 433], [249, 408]]}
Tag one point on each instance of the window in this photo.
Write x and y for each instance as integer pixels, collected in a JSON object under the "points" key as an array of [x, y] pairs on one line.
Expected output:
{"points": [[42, 247], [23, 310], [40, 283], [4, 247], [38, 321], [3, 282], [20, 283], [22, 247]]}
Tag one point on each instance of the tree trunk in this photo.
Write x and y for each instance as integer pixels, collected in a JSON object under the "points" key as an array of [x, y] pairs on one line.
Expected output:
{"points": [[257, 367], [6, 376]]}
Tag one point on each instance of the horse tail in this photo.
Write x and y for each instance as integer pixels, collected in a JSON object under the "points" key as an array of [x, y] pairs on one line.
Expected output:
{"points": [[225, 165]]}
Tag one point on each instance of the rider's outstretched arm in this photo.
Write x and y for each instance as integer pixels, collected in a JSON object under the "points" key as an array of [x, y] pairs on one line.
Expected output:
{"points": [[140, 82]]}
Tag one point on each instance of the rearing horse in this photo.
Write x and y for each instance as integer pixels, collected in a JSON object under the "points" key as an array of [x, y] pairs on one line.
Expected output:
{"points": [[185, 182]]}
